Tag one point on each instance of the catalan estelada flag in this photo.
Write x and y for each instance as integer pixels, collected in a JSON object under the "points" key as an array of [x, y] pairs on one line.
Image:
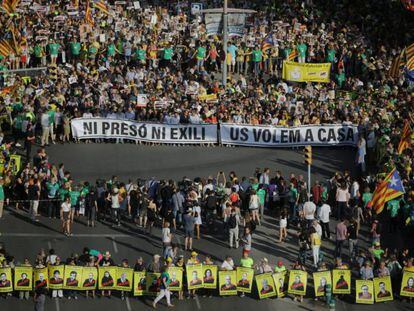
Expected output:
{"points": [[88, 14], [101, 6], [292, 55], [397, 62], [387, 190], [6, 48], [10, 5], [405, 140], [267, 43]]}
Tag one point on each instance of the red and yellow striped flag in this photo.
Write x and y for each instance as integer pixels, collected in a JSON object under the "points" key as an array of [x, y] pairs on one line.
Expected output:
{"points": [[6, 48], [88, 14], [101, 6], [387, 190], [10, 5], [292, 55], [409, 51], [396, 64], [405, 140]]}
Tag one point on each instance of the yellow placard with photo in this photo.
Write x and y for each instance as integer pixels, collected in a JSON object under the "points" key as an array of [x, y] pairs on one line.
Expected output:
{"points": [[176, 277], [244, 279], [23, 278], [265, 285], [106, 277], [306, 72], [56, 274], [139, 283], [320, 280], [364, 291], [152, 284], [341, 281], [407, 284], [210, 276], [15, 163], [73, 275], [208, 97], [40, 278], [298, 280], [124, 278], [6, 281], [227, 283], [89, 278], [383, 289], [194, 276], [279, 279]]}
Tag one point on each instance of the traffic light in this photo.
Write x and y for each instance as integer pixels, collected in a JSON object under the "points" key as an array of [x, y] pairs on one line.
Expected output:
{"points": [[308, 155]]}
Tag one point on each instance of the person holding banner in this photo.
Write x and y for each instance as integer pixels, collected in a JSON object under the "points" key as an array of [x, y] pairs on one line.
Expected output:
{"points": [[164, 288]]}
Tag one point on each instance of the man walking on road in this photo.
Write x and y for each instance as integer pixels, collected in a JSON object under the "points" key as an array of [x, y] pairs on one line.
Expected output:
{"points": [[341, 236], [324, 213]]}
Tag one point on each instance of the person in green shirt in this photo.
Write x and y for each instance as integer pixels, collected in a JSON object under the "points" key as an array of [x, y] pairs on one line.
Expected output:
{"points": [[53, 51], [261, 193], [140, 55], [280, 267], [340, 78], [330, 53], [167, 55], [111, 50], [301, 48], [257, 56], [200, 55], [74, 198], [53, 207], [164, 288], [75, 48], [39, 52], [246, 261], [2, 196]]}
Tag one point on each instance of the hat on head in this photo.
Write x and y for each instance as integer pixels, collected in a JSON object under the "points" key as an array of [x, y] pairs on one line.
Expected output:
{"points": [[194, 253]]}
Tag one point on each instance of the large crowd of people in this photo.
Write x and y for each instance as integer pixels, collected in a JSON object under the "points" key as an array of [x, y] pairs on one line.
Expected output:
{"points": [[154, 63]]}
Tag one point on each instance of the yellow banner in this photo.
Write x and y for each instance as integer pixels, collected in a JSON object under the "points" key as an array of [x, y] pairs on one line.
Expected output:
{"points": [[106, 277], [208, 97], [194, 276], [89, 277], [320, 280], [176, 276], [306, 72], [279, 279], [383, 289], [341, 280], [152, 284], [23, 277], [56, 276], [298, 280], [124, 278], [139, 283], [265, 285], [15, 163], [244, 279], [73, 274], [364, 291], [210, 276], [227, 283], [407, 284], [40, 278], [6, 284]]}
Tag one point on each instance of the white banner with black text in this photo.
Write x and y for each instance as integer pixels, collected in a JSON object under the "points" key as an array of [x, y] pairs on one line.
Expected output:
{"points": [[91, 128], [271, 136]]}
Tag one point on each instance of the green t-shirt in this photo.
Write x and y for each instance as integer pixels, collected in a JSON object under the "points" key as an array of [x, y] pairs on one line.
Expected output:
{"points": [[366, 197], [62, 192], [340, 78], [302, 48], [286, 52], [51, 114], [111, 50], [377, 253], [75, 48], [246, 262], [93, 50], [168, 53], [140, 54], [74, 196], [38, 50], [330, 57], [257, 56], [262, 196], [1, 193], [54, 49], [393, 207], [201, 52], [52, 189]]}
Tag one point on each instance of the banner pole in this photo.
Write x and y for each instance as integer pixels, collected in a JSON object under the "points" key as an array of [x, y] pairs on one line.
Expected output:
{"points": [[309, 178]]}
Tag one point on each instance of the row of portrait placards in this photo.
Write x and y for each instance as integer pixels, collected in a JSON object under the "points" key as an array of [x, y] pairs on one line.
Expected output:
{"points": [[201, 276]]}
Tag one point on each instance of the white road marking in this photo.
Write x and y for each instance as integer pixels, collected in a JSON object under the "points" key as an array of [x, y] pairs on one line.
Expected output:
{"points": [[57, 304], [198, 303], [114, 244], [128, 304], [81, 235]]}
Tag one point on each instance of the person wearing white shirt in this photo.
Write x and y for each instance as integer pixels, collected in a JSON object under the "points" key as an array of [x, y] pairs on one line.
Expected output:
{"points": [[309, 209], [323, 216], [227, 264]]}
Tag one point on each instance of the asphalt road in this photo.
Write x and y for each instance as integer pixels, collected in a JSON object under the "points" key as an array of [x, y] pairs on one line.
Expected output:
{"points": [[24, 238], [91, 161]]}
